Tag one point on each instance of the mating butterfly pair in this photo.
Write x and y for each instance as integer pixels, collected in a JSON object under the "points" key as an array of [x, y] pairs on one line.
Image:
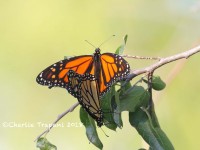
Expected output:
{"points": [[87, 77]]}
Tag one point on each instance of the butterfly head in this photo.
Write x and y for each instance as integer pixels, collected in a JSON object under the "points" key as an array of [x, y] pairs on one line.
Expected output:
{"points": [[100, 119], [97, 51], [99, 123]]}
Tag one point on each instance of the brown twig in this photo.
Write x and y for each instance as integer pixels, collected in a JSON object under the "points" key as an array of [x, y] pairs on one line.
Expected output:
{"points": [[58, 118], [164, 61], [142, 57], [134, 73]]}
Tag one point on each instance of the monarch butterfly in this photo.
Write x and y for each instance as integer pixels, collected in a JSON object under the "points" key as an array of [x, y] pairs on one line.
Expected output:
{"points": [[86, 89], [107, 68]]}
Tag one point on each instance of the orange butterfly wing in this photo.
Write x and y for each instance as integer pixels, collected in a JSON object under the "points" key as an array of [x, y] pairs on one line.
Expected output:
{"points": [[113, 69], [56, 74]]}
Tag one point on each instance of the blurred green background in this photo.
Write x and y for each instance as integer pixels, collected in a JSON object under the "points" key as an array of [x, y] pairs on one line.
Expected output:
{"points": [[34, 34]]}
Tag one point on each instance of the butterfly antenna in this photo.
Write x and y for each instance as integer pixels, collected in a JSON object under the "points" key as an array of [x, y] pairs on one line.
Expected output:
{"points": [[106, 40], [90, 43], [104, 132]]}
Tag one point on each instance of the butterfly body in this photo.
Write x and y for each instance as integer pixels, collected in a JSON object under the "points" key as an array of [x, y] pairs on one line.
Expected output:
{"points": [[97, 65]]}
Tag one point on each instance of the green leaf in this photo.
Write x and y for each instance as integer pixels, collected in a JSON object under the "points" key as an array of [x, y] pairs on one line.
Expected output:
{"points": [[125, 85], [44, 144], [120, 49], [133, 98], [116, 107], [157, 83], [125, 38], [108, 112], [154, 136], [90, 126]]}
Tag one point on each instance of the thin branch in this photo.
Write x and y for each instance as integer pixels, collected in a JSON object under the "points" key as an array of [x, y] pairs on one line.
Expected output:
{"points": [[58, 118], [134, 73], [142, 57], [164, 61]]}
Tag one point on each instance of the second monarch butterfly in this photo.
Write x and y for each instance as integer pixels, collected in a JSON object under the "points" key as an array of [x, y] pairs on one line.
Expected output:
{"points": [[107, 68], [85, 88]]}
